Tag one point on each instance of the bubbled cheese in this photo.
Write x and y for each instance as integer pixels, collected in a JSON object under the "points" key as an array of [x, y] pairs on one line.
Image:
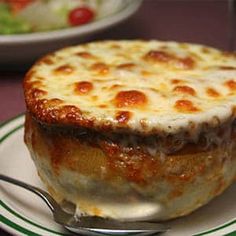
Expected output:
{"points": [[139, 86]]}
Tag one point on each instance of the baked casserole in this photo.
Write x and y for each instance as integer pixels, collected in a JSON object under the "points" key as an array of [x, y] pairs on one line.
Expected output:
{"points": [[133, 129]]}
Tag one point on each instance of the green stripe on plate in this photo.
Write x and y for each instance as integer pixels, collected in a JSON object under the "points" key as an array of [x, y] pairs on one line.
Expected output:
{"points": [[216, 229], [17, 227], [231, 234], [26, 220], [11, 119], [10, 132]]}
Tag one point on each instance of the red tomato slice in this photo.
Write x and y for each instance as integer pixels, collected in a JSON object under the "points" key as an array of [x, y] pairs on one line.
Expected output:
{"points": [[80, 16], [18, 5]]}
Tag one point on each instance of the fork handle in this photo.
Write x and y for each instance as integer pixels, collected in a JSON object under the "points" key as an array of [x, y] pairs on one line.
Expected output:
{"points": [[52, 204]]}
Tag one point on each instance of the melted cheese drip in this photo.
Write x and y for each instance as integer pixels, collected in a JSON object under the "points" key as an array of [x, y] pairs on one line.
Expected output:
{"points": [[162, 85]]}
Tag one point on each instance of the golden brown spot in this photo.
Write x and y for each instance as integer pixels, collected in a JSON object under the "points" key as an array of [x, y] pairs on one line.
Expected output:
{"points": [[39, 78], [126, 66], [37, 93], [176, 81], [33, 84], [85, 55], [185, 106], [212, 92], [146, 73], [186, 63], [159, 56], [55, 101], [165, 57], [185, 89], [31, 73], [116, 86], [100, 68], [227, 67], [47, 60], [131, 98], [155, 90], [94, 98], [205, 50], [115, 46], [83, 87], [123, 116], [231, 84], [64, 69], [103, 106]]}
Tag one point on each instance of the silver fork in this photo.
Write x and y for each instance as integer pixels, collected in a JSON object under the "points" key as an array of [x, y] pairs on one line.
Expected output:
{"points": [[90, 225]]}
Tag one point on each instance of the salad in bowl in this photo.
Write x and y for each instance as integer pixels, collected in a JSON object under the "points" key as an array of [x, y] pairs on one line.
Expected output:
{"points": [[28, 16], [32, 28]]}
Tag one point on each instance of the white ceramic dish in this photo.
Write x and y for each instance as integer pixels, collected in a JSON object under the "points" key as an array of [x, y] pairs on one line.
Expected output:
{"points": [[25, 48], [23, 213]]}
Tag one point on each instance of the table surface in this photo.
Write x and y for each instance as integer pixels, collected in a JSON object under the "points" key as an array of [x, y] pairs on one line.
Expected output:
{"points": [[197, 21]]}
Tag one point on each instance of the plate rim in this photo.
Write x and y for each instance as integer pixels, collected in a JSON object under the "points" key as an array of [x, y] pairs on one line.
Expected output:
{"points": [[12, 126]]}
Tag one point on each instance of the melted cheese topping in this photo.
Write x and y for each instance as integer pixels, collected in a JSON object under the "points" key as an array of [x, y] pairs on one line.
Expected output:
{"points": [[143, 86]]}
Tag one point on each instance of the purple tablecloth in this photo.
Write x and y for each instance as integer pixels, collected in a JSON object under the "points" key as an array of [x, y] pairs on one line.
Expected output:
{"points": [[198, 21]]}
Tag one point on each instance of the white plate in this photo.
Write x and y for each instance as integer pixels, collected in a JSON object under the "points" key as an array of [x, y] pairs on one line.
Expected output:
{"points": [[23, 213], [18, 49]]}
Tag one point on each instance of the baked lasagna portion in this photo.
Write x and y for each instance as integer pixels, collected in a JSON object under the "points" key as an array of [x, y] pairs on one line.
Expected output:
{"points": [[133, 129]]}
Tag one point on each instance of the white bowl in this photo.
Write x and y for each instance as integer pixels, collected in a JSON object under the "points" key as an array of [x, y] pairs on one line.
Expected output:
{"points": [[25, 48]]}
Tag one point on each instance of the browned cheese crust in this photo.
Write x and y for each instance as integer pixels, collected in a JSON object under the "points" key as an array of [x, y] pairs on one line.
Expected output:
{"points": [[133, 129]]}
